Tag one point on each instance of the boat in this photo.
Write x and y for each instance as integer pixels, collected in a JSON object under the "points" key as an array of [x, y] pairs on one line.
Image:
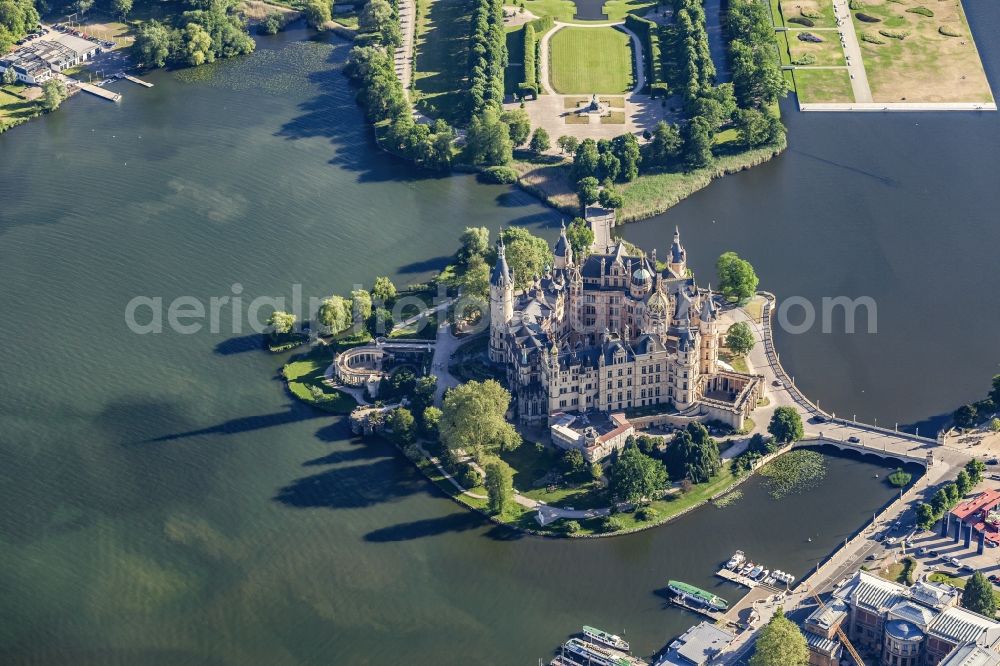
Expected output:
{"points": [[764, 574], [736, 560], [576, 651], [697, 595], [602, 637], [747, 568], [755, 572]]}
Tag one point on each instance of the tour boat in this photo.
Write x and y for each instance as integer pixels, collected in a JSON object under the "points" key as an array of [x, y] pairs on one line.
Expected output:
{"points": [[697, 595], [736, 560], [605, 638], [580, 652]]}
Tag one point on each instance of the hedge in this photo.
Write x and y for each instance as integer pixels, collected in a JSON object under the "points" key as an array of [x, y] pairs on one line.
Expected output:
{"points": [[646, 30], [526, 90], [501, 175], [801, 20], [659, 90], [529, 55]]}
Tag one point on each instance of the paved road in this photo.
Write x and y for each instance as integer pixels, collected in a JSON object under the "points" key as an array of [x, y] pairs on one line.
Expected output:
{"points": [[852, 51]]}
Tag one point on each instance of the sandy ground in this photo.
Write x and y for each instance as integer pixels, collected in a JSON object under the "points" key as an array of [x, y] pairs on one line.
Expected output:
{"points": [[515, 16]]}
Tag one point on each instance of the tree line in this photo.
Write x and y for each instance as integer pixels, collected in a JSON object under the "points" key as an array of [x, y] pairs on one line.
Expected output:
{"points": [[946, 498], [17, 18], [487, 58], [212, 30]]}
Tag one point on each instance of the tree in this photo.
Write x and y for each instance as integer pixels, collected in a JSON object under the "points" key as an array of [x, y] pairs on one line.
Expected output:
{"points": [[569, 144], [596, 471], [636, 476], [527, 255], [384, 291], [431, 421], [963, 483], [475, 281], [975, 468], [361, 305], [737, 278], [197, 45], [978, 596], [121, 8], [518, 125], [697, 137], [752, 127], [539, 141], [611, 198], [474, 418], [475, 242], [402, 425], [740, 339], [488, 140], [626, 148], [53, 94], [581, 236], [272, 24], [573, 463], [900, 478], [499, 487], [585, 160], [441, 154], [926, 516], [588, 190], [9, 76], [281, 322], [335, 313], [780, 643], [786, 425], [951, 491], [380, 324], [994, 425], [693, 455], [423, 393], [965, 416], [664, 147]]}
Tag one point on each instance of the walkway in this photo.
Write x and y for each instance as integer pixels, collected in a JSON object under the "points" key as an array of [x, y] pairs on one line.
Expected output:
{"points": [[852, 52], [404, 53]]}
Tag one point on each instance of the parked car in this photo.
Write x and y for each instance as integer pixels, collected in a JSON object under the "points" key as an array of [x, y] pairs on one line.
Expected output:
{"points": [[819, 418], [953, 562], [968, 567], [995, 579], [921, 551], [777, 382], [993, 461], [853, 440], [932, 553], [871, 557]]}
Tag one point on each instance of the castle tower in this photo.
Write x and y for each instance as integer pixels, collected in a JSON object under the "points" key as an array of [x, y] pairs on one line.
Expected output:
{"points": [[709, 328], [678, 255], [501, 304], [563, 251], [686, 380]]}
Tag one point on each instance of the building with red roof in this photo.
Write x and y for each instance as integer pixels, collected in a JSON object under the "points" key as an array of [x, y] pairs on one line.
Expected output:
{"points": [[977, 518]]}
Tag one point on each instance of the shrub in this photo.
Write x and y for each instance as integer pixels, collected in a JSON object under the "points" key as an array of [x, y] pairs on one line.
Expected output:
{"points": [[868, 18], [412, 451], [894, 34], [856, 5], [526, 90], [571, 527], [805, 59], [923, 11], [809, 13], [809, 37], [659, 90], [612, 524], [501, 175], [470, 477], [949, 32], [871, 39], [801, 20], [647, 513], [899, 478]]}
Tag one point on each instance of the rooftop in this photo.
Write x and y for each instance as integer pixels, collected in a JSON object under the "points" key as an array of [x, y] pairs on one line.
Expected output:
{"points": [[696, 646]]}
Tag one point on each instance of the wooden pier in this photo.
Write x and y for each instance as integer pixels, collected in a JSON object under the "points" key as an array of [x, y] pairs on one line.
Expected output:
{"points": [[98, 91], [135, 79], [734, 577]]}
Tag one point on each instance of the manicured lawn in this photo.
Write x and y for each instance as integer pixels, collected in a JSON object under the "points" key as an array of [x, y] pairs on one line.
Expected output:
{"points": [[304, 375], [827, 52], [564, 10], [14, 110], [820, 12], [442, 57], [590, 60], [926, 66], [823, 85]]}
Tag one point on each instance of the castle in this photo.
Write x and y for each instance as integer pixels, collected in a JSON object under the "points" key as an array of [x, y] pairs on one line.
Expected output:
{"points": [[613, 333]]}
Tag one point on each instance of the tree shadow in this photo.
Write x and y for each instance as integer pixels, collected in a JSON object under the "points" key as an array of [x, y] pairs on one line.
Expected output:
{"points": [[240, 344], [425, 265], [353, 486], [293, 414], [419, 529]]}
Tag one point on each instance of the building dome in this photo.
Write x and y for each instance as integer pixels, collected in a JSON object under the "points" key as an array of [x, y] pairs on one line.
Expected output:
{"points": [[902, 630], [642, 276], [658, 304]]}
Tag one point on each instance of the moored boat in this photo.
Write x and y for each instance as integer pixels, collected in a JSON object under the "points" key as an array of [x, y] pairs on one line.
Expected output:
{"points": [[736, 560], [602, 637], [697, 595]]}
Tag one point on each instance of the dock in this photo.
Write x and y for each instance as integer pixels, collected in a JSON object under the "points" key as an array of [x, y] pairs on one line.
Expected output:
{"points": [[98, 91], [136, 79], [715, 616], [734, 577]]}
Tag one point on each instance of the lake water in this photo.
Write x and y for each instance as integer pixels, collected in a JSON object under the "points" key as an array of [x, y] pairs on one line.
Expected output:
{"points": [[165, 501]]}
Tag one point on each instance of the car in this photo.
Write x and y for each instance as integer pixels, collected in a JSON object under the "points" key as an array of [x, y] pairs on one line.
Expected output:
{"points": [[953, 562], [993, 578], [993, 461], [853, 440], [871, 557], [968, 567], [819, 418], [890, 540], [777, 382], [995, 477], [932, 553], [922, 551]]}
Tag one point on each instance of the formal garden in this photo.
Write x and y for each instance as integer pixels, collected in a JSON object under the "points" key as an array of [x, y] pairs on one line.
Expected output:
{"points": [[591, 60]]}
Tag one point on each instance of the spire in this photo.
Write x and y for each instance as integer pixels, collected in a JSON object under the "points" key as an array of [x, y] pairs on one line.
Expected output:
{"points": [[563, 248], [501, 272], [676, 249], [708, 307]]}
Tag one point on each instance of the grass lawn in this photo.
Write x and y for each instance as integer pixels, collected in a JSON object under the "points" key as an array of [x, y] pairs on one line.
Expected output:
{"points": [[564, 10], [739, 363], [819, 12], [13, 109], [823, 85], [590, 60], [442, 57], [424, 328], [614, 118], [304, 375], [827, 52], [926, 66]]}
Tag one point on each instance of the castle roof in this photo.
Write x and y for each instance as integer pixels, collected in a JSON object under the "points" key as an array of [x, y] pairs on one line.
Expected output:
{"points": [[562, 245], [708, 308], [501, 272], [676, 249]]}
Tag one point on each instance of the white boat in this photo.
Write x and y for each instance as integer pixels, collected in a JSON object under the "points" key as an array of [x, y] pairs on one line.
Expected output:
{"points": [[764, 574], [736, 560], [747, 568], [602, 637], [755, 572]]}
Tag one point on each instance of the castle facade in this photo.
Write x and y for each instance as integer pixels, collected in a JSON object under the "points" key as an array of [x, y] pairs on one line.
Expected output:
{"points": [[613, 333]]}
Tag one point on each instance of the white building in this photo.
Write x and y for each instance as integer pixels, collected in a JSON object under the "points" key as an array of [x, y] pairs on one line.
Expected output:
{"points": [[35, 63]]}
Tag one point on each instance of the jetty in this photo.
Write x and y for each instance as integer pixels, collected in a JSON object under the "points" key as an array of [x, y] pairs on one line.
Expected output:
{"points": [[136, 79], [678, 600], [109, 95]]}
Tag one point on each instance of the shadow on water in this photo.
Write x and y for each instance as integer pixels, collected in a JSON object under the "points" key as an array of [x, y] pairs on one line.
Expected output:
{"points": [[240, 344], [354, 486], [293, 414], [419, 529], [425, 265]]}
